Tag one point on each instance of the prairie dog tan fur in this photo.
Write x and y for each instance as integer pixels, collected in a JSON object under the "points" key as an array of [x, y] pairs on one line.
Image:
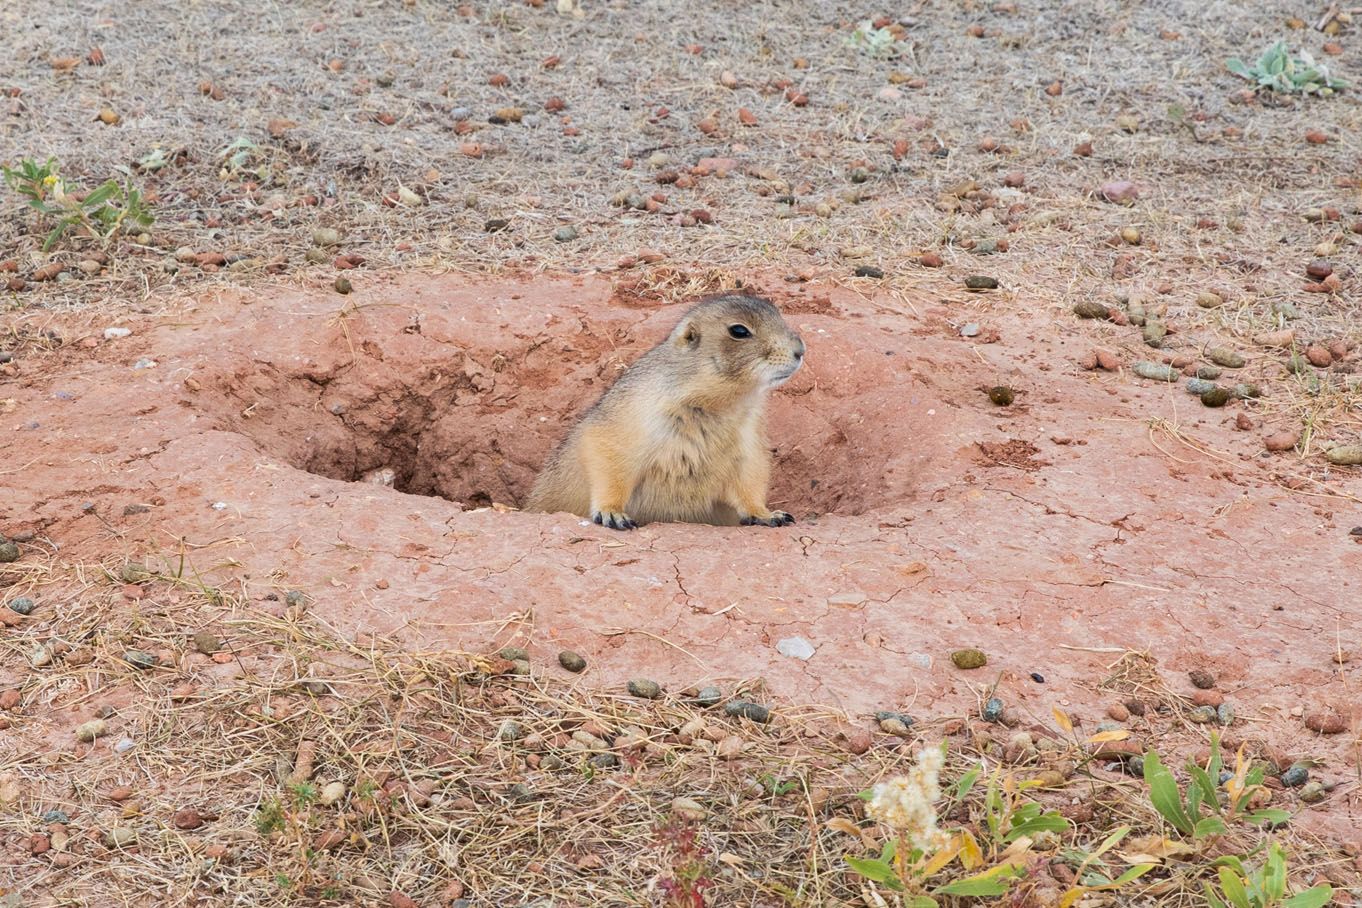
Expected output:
{"points": [[681, 435]]}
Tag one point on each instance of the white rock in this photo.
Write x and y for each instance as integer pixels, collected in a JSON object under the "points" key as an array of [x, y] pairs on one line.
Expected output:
{"points": [[112, 333], [795, 647]]}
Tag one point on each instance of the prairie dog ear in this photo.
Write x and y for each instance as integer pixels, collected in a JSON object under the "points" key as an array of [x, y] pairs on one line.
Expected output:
{"points": [[687, 335]]}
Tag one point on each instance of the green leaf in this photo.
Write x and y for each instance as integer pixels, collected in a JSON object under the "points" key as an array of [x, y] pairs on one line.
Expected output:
{"points": [[1271, 815], [1133, 873], [1274, 874], [993, 882], [878, 871], [1050, 822], [1233, 888], [101, 195], [920, 901], [1163, 793], [1211, 898], [54, 235], [1208, 826], [1315, 897], [966, 783]]}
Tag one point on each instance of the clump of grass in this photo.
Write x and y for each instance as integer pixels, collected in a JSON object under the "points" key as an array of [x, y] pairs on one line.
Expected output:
{"points": [[1277, 69], [101, 213]]}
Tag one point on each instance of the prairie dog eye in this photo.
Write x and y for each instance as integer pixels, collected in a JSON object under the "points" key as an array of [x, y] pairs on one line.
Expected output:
{"points": [[739, 331]]}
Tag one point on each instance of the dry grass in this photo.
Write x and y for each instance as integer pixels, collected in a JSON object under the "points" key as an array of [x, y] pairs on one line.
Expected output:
{"points": [[457, 778]]}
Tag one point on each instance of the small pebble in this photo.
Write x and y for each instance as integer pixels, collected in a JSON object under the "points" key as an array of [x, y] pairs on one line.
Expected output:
{"points": [[1326, 721], [23, 605], [1247, 391], [1216, 397], [88, 731], [709, 696], [981, 282], [1090, 309], [140, 659], [295, 599], [970, 329], [326, 236], [565, 234], [642, 687], [993, 710], [1312, 792], [1201, 679], [1344, 455], [1296, 775], [868, 271], [1223, 356], [510, 730], [1118, 712], [1203, 715], [571, 661], [1155, 371], [514, 654], [969, 658], [1001, 395], [1225, 713], [1208, 300], [120, 837], [1209, 373], [331, 793], [795, 647], [1199, 386], [744, 709], [114, 333], [1154, 333], [206, 643], [343, 286]]}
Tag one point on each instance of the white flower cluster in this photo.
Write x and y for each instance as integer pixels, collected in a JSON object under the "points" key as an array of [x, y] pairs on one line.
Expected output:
{"points": [[906, 803]]}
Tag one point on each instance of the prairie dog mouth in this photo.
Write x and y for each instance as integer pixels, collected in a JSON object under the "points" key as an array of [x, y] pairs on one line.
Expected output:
{"points": [[780, 375]]}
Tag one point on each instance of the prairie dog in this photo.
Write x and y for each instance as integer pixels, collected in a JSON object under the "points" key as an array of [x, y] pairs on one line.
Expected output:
{"points": [[681, 435]]}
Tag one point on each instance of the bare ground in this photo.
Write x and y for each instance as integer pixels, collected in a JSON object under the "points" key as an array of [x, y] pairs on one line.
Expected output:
{"points": [[1103, 534]]}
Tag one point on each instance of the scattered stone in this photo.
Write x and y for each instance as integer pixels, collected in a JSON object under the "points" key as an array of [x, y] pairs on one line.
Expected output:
{"points": [[1247, 391], [565, 234], [10, 698], [40, 656], [571, 661], [1002, 395], [1131, 236], [1319, 269], [858, 742], [187, 819], [1296, 775], [795, 648], [513, 653], [120, 837], [326, 236], [1212, 698], [23, 605], [1107, 361], [1121, 192], [495, 225], [709, 696], [1090, 309], [989, 247], [1201, 679], [1319, 356], [970, 329], [510, 730], [930, 260], [981, 282], [688, 809], [1155, 371], [343, 286], [1208, 373], [745, 709], [1118, 712], [892, 724], [1208, 300], [207, 643], [868, 271], [1225, 713], [1282, 440], [1325, 721], [1312, 793], [9, 552], [86, 732], [116, 333], [642, 687], [1199, 386], [1154, 333], [1223, 356], [993, 710], [969, 658], [1202, 715], [1216, 397], [1344, 455], [1283, 338], [141, 659]]}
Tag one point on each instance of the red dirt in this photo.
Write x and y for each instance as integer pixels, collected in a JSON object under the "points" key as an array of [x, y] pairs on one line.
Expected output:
{"points": [[1078, 533]]}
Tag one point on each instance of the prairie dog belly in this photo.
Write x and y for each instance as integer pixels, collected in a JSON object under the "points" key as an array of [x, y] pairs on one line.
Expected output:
{"points": [[689, 460]]}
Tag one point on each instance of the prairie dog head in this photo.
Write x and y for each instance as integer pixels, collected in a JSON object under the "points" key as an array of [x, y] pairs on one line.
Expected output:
{"points": [[741, 339]]}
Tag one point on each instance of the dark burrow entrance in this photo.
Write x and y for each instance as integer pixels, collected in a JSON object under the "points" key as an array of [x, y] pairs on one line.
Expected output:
{"points": [[473, 422]]}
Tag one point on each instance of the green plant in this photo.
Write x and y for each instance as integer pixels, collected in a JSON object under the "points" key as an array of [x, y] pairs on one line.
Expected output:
{"points": [[1278, 70], [1263, 887], [878, 42], [1090, 879], [1200, 813], [103, 212], [916, 851]]}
